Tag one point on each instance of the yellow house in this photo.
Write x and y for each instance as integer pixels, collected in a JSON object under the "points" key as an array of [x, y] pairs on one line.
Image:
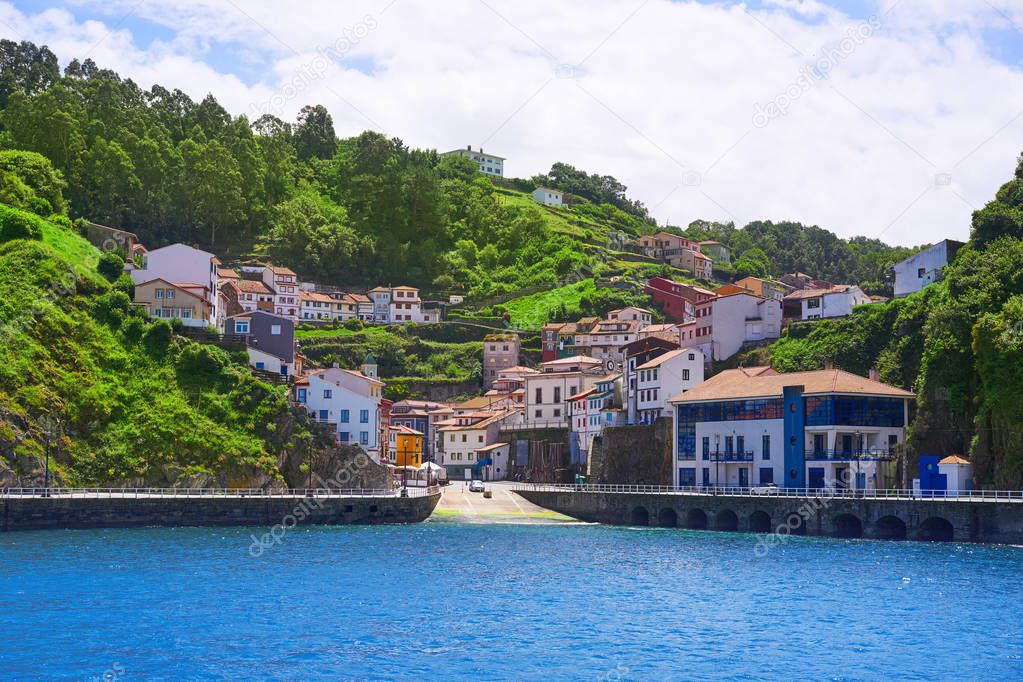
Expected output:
{"points": [[408, 446], [189, 303]]}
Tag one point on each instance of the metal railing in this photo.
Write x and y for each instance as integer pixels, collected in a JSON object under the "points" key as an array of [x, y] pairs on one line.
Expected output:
{"points": [[770, 491], [159, 493], [866, 455]]}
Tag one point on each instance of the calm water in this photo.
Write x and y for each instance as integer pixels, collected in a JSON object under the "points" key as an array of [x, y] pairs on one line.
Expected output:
{"points": [[447, 600]]}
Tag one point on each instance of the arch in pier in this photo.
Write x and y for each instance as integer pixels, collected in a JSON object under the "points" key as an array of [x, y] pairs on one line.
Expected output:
{"points": [[890, 528], [726, 520], [696, 519], [667, 518], [794, 524], [935, 529], [846, 526], [639, 517], [760, 522]]}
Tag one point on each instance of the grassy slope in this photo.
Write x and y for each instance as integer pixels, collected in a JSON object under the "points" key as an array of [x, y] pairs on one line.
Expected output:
{"points": [[123, 412], [532, 311]]}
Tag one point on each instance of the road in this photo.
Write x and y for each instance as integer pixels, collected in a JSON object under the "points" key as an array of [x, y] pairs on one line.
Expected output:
{"points": [[458, 504]]}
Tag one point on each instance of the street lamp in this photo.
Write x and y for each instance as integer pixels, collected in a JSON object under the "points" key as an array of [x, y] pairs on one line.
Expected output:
{"points": [[717, 462], [856, 470]]}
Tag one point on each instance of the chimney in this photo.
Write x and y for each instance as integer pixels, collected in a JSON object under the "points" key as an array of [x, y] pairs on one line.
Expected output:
{"points": [[874, 375]]}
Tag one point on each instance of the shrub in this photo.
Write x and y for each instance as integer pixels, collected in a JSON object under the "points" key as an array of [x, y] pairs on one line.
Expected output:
{"points": [[354, 324], [202, 362], [111, 266], [61, 221], [16, 224], [133, 328], [157, 338]]}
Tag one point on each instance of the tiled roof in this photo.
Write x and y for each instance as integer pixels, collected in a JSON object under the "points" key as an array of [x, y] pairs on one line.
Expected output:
{"points": [[746, 383], [661, 359], [814, 293], [252, 286], [314, 296], [954, 459]]}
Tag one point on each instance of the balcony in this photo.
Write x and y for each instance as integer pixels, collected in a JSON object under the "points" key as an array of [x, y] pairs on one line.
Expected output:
{"points": [[731, 456], [868, 455]]}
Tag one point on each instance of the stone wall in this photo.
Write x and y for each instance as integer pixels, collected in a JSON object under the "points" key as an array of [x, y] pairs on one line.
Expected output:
{"points": [[39, 513], [639, 455], [775, 517]]}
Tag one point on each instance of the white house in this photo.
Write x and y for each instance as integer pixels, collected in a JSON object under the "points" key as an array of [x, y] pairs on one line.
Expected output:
{"points": [[725, 322], [665, 377], [958, 474], [547, 392], [489, 164], [184, 266], [347, 400], [923, 267], [823, 429], [283, 282], [593, 410], [467, 445], [816, 304], [315, 306], [548, 196]]}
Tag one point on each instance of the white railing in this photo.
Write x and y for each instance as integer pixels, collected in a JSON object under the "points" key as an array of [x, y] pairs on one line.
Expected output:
{"points": [[759, 492], [143, 493]]}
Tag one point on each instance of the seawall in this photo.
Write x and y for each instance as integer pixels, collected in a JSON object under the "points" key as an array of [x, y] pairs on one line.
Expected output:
{"points": [[127, 511], [890, 519]]}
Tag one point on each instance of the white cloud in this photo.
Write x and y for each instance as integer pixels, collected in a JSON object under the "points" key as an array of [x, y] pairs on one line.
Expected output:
{"points": [[660, 94]]}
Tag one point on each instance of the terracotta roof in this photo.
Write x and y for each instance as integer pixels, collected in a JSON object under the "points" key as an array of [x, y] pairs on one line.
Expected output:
{"points": [[814, 293], [749, 383], [252, 286], [579, 396], [314, 296], [277, 270], [954, 459], [573, 360], [359, 298], [483, 423], [227, 273], [491, 447], [408, 431], [379, 289]]}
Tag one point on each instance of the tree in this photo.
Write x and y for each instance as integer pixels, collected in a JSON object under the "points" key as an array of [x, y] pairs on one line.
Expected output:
{"points": [[314, 133]]}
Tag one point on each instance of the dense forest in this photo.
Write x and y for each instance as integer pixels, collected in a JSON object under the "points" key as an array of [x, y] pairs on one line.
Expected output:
{"points": [[958, 344]]}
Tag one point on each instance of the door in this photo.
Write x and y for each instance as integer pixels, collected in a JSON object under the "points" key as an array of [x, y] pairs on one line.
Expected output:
{"points": [[842, 478], [816, 478], [743, 477]]}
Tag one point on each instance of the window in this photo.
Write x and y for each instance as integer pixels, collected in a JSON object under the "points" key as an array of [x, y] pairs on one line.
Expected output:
{"points": [[275, 329], [557, 413], [241, 327], [363, 416], [740, 444], [302, 395], [260, 365], [921, 272], [706, 477], [685, 375], [345, 436], [728, 445], [480, 439], [323, 415], [557, 394], [687, 477], [692, 356], [327, 394], [159, 293], [706, 448], [364, 437], [463, 437], [766, 447], [344, 416], [539, 413], [539, 397], [170, 293], [766, 475]]}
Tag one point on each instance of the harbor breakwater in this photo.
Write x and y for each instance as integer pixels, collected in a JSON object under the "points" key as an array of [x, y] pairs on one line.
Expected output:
{"points": [[125, 509], [774, 516]]}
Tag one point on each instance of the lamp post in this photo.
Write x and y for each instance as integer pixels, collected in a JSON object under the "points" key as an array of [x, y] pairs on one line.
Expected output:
{"points": [[717, 462], [856, 470]]}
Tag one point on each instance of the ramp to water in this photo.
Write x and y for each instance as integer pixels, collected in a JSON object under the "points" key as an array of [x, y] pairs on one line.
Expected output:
{"points": [[504, 506]]}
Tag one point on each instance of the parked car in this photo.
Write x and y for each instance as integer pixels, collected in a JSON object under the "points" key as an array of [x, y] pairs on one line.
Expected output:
{"points": [[476, 487], [767, 489]]}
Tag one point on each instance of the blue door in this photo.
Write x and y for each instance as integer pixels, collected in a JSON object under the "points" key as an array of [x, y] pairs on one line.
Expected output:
{"points": [[743, 477], [687, 477], [816, 477]]}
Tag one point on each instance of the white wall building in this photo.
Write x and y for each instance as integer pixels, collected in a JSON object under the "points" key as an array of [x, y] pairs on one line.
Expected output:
{"points": [[924, 267], [725, 323], [665, 377], [283, 282], [489, 164], [816, 304], [548, 196], [464, 438], [547, 393], [183, 265], [347, 400]]}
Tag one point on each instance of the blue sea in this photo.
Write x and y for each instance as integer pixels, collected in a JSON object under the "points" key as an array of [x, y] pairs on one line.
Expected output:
{"points": [[446, 600]]}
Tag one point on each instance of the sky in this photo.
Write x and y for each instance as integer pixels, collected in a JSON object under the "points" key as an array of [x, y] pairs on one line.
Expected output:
{"points": [[884, 118]]}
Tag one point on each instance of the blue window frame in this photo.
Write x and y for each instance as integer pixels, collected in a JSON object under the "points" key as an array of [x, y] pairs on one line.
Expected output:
{"points": [[706, 477], [302, 395], [729, 444], [241, 327], [766, 446], [706, 448], [344, 436], [740, 444], [766, 475], [687, 477], [344, 416], [327, 394], [260, 365], [323, 415], [363, 416], [364, 437]]}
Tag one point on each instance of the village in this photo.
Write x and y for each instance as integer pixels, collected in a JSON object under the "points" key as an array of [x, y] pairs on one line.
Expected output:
{"points": [[563, 418]]}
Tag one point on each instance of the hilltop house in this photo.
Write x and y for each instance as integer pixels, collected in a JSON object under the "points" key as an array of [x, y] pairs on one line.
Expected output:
{"points": [[924, 267], [824, 429], [815, 304], [725, 322], [165, 300], [548, 196], [489, 164], [269, 340], [677, 300], [763, 287], [717, 251], [186, 267], [283, 282]]}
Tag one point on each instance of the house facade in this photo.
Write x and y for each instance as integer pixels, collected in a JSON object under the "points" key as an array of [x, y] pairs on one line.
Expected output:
{"points": [[547, 392], [466, 445], [548, 196], [489, 164], [183, 266], [283, 282], [924, 267], [816, 304], [664, 377], [500, 352], [269, 340], [826, 429], [348, 401], [168, 301]]}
